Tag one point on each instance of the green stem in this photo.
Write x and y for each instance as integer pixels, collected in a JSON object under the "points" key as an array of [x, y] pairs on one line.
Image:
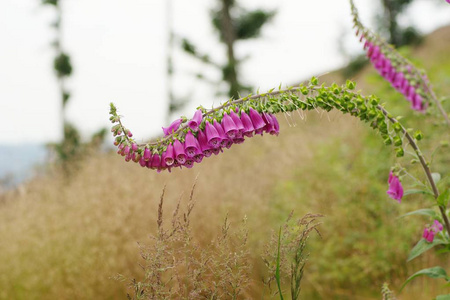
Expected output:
{"points": [[422, 162]]}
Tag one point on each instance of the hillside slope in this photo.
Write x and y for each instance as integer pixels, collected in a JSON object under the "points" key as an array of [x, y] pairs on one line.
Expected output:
{"points": [[66, 239]]}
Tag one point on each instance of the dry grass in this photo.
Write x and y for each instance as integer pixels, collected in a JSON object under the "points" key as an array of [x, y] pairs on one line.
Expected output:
{"points": [[66, 239]]}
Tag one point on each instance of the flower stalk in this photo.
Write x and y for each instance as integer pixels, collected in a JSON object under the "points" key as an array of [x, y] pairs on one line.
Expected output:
{"points": [[399, 71], [217, 131], [423, 163]]}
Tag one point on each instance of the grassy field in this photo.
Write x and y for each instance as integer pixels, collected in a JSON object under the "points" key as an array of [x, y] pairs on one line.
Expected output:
{"points": [[65, 239]]}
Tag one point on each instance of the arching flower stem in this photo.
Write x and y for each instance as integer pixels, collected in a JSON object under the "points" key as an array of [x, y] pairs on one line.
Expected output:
{"points": [[303, 97], [423, 163]]}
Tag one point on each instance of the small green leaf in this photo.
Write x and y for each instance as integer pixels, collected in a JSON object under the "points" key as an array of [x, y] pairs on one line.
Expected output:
{"points": [[436, 177], [417, 191], [435, 272], [443, 198], [423, 246], [424, 212], [443, 297]]}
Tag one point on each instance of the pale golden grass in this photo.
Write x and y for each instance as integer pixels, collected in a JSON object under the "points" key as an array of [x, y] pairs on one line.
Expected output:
{"points": [[64, 240]]}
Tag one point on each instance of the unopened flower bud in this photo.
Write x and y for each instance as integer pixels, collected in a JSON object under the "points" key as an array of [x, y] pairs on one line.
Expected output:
{"points": [[397, 127], [350, 85], [397, 141], [418, 135]]}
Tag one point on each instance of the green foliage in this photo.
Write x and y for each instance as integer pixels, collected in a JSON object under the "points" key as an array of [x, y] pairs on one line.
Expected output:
{"points": [[62, 65], [423, 212], [50, 2], [388, 22], [435, 272], [246, 24], [68, 149], [422, 246]]}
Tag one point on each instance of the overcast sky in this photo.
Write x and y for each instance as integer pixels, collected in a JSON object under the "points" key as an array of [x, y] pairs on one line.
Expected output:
{"points": [[118, 52]]}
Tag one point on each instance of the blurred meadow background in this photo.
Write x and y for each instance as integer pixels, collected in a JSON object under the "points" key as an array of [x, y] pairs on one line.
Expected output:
{"points": [[74, 215]]}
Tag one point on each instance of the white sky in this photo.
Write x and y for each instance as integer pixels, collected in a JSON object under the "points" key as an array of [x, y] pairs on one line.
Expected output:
{"points": [[118, 50]]}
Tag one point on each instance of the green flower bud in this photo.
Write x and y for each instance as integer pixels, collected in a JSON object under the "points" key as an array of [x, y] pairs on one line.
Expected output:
{"points": [[418, 135], [397, 127], [350, 85], [372, 113], [362, 108], [380, 116], [399, 152], [387, 141], [383, 128], [304, 90], [374, 100], [314, 81], [397, 141]]}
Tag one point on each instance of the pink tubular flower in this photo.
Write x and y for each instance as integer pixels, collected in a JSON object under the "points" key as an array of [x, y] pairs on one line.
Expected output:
{"points": [[180, 155], [172, 127], [126, 150], [155, 162], [257, 120], [142, 162], [430, 232], [229, 127], [239, 124], [204, 146], [147, 154], [428, 235], [395, 190], [198, 158], [276, 126], [388, 64], [167, 156], [269, 123], [226, 141], [189, 163], [191, 145], [248, 125], [437, 226], [212, 135], [196, 120]]}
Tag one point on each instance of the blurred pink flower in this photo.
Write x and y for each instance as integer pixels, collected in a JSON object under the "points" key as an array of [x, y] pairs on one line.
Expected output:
{"points": [[395, 190]]}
